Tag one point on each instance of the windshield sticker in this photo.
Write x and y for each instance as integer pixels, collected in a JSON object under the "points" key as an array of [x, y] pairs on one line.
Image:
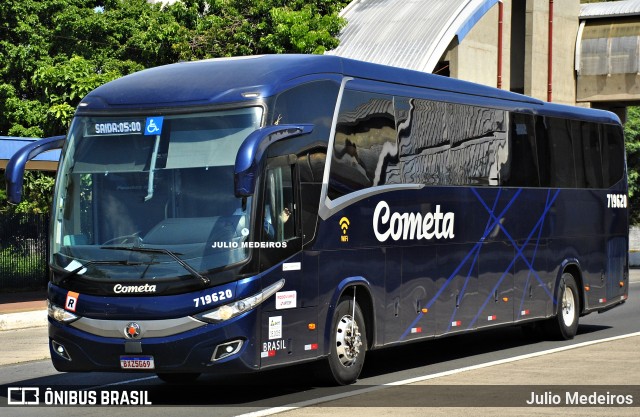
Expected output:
{"points": [[115, 128], [153, 125], [275, 327]]}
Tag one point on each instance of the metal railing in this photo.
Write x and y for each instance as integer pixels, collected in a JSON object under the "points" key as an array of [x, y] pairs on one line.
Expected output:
{"points": [[23, 251]]}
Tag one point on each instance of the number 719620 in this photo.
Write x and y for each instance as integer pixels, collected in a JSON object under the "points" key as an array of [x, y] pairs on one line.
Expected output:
{"points": [[213, 298]]}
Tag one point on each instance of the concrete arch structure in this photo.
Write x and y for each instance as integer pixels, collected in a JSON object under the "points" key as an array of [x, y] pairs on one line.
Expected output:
{"points": [[412, 34], [525, 46]]}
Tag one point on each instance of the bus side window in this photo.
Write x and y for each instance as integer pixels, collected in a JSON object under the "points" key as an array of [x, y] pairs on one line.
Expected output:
{"points": [[563, 174], [279, 220], [365, 150], [612, 155], [522, 147], [543, 152], [479, 154], [423, 141], [588, 151]]}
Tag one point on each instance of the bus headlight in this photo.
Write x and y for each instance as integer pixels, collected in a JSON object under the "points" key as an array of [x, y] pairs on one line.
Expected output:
{"points": [[59, 314], [231, 310]]}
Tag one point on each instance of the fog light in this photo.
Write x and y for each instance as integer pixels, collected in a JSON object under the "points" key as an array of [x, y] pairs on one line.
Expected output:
{"points": [[60, 350], [226, 349]]}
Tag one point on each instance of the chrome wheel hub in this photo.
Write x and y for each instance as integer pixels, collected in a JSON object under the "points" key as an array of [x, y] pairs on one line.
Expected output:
{"points": [[568, 307], [348, 340]]}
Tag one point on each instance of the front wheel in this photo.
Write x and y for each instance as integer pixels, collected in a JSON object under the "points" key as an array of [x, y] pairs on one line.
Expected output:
{"points": [[564, 325], [348, 343]]}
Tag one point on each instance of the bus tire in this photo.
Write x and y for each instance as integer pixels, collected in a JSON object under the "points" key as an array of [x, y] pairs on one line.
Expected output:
{"points": [[178, 377], [348, 343], [564, 325]]}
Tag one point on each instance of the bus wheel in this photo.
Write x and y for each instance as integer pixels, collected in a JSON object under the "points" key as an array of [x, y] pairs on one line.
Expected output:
{"points": [[564, 325], [348, 342], [178, 378]]}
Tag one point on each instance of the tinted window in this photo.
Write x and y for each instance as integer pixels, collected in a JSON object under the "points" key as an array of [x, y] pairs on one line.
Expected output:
{"points": [[365, 143], [423, 141], [312, 103], [613, 154], [561, 161], [587, 152], [279, 208], [523, 160], [479, 154], [308, 103]]}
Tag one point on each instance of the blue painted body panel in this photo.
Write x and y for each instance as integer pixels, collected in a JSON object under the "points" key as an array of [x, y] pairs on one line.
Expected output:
{"points": [[499, 265]]}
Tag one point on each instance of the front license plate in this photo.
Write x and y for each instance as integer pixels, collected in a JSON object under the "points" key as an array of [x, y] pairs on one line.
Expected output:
{"points": [[137, 362]]}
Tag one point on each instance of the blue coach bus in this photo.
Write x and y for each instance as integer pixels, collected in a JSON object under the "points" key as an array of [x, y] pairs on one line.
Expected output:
{"points": [[234, 215]]}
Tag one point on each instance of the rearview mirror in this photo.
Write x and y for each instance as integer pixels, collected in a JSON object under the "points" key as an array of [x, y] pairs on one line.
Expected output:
{"points": [[14, 174], [252, 150]]}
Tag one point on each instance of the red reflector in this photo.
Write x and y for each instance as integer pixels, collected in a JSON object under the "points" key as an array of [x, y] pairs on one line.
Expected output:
{"points": [[456, 323], [416, 330], [272, 353], [491, 318]]}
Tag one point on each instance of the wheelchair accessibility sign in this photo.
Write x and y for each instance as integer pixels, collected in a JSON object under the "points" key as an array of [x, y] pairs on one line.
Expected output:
{"points": [[153, 125]]}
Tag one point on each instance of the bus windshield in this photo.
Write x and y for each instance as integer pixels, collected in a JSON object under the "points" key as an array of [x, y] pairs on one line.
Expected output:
{"points": [[151, 197]]}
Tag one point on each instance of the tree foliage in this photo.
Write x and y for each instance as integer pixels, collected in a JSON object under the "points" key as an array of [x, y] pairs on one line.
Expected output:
{"points": [[53, 52], [632, 144]]}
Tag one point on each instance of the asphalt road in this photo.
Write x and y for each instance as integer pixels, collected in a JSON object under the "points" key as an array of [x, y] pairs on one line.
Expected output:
{"points": [[436, 360]]}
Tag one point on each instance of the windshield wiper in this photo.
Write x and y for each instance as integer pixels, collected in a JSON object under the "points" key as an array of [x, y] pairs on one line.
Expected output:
{"points": [[66, 276], [174, 255]]}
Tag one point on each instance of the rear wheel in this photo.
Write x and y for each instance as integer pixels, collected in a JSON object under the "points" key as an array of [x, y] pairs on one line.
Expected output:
{"points": [[178, 378], [348, 343], [565, 323]]}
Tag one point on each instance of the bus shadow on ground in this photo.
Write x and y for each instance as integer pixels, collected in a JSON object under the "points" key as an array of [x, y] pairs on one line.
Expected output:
{"points": [[440, 350]]}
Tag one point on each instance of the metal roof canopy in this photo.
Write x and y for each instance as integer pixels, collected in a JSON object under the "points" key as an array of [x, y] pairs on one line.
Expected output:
{"points": [[9, 145], [610, 9], [412, 34], [608, 40]]}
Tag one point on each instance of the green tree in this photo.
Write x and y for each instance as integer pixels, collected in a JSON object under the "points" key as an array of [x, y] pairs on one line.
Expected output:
{"points": [[632, 144], [53, 52]]}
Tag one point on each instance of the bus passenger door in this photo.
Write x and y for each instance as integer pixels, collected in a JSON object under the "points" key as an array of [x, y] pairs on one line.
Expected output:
{"points": [[286, 333]]}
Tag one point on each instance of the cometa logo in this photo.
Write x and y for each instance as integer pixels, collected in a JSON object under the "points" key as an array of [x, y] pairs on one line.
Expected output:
{"points": [[344, 225], [126, 289], [411, 225]]}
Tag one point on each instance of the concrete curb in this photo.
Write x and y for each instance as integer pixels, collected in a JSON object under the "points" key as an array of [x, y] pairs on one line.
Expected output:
{"points": [[24, 320]]}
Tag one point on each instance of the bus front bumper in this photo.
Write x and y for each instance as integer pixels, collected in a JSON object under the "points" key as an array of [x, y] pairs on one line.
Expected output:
{"points": [[208, 348]]}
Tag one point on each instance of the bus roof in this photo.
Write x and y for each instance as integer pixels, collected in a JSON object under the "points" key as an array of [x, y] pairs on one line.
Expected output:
{"points": [[242, 79]]}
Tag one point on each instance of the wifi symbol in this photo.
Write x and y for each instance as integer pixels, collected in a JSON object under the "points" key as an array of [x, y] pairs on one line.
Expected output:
{"points": [[344, 225]]}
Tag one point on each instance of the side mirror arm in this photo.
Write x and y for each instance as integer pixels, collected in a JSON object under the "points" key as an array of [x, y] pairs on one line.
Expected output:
{"points": [[252, 150], [14, 174]]}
